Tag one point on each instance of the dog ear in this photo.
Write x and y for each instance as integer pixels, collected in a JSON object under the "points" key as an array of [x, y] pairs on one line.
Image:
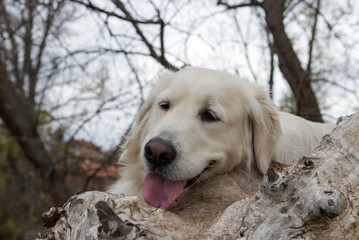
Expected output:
{"points": [[265, 126]]}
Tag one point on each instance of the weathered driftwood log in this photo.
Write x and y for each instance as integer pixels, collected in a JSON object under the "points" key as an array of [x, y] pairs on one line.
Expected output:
{"points": [[316, 198]]}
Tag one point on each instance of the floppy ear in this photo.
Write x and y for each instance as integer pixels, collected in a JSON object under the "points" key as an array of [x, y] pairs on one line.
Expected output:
{"points": [[265, 127]]}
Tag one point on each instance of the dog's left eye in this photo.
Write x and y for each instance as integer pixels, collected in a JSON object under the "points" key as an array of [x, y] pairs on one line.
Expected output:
{"points": [[164, 105], [208, 115]]}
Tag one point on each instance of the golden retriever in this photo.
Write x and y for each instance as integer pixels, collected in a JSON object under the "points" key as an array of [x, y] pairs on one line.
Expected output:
{"points": [[199, 122]]}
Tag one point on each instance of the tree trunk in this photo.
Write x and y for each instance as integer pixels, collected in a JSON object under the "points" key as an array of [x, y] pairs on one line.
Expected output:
{"points": [[289, 64], [316, 198], [19, 119]]}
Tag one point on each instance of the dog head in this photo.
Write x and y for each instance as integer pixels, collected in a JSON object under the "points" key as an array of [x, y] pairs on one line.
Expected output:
{"points": [[196, 123]]}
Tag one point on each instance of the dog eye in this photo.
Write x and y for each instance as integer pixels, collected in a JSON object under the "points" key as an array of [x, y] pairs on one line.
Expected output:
{"points": [[208, 116], [164, 105]]}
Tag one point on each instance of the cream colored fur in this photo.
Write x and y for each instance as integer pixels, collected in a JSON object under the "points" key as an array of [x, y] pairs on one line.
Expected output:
{"points": [[250, 131]]}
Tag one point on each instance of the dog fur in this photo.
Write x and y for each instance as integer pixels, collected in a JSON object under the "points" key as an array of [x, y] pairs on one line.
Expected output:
{"points": [[213, 119]]}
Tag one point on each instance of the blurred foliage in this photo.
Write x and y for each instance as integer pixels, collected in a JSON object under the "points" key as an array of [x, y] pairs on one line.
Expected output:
{"points": [[21, 199]]}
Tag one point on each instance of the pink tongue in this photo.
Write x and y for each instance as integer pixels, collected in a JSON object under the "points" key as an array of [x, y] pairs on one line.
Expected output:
{"points": [[161, 192]]}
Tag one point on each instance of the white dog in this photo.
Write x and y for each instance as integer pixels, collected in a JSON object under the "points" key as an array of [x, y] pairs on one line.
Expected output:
{"points": [[199, 122]]}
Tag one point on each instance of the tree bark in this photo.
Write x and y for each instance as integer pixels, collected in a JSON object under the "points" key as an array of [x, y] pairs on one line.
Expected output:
{"points": [[289, 64], [315, 198]]}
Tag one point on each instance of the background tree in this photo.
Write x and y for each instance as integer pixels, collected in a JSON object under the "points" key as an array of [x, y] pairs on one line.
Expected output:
{"points": [[37, 81], [289, 63], [22, 59]]}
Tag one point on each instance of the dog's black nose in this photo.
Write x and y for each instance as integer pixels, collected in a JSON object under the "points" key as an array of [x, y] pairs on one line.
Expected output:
{"points": [[159, 152]]}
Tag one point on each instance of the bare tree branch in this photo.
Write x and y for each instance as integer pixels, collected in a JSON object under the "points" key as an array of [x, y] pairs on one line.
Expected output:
{"points": [[160, 58], [251, 3], [271, 71], [312, 39], [14, 57], [245, 44], [88, 4], [27, 70]]}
